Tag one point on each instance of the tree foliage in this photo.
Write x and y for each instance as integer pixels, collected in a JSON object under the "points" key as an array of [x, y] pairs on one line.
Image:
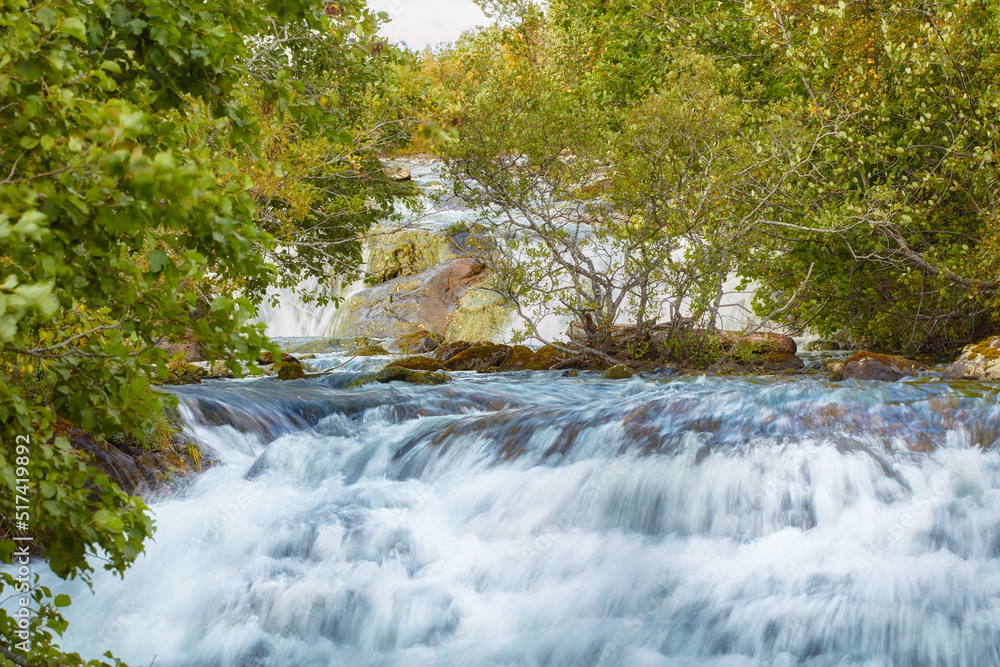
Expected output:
{"points": [[862, 200], [134, 204]]}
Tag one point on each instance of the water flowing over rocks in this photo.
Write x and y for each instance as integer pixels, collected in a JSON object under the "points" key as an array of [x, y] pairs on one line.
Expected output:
{"points": [[528, 519], [980, 361]]}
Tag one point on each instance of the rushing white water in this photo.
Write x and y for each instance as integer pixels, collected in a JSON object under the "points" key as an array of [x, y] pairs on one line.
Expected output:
{"points": [[531, 519]]}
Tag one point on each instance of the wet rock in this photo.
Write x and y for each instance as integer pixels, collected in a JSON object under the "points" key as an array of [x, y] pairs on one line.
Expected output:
{"points": [[449, 350], [479, 358], [618, 372], [872, 366], [370, 351], [400, 374], [266, 358], [570, 374], [523, 358], [418, 342], [289, 370], [418, 363], [980, 361]]}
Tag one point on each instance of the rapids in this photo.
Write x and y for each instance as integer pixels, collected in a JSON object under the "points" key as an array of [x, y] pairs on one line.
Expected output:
{"points": [[531, 519]]}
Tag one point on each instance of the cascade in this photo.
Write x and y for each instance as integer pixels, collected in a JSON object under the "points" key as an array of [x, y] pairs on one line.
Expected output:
{"points": [[533, 519]]}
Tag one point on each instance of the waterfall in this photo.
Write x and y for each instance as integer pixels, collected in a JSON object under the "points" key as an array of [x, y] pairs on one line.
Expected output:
{"points": [[532, 519]]}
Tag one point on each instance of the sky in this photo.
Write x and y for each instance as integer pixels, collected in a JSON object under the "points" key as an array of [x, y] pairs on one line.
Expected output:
{"points": [[420, 23]]}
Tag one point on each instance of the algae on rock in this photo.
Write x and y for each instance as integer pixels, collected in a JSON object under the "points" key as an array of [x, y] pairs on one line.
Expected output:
{"points": [[481, 315], [406, 253]]}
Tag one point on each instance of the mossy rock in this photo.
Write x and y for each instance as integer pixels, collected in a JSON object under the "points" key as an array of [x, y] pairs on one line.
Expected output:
{"points": [[449, 350], [370, 351], [481, 314], [289, 370], [980, 361], [400, 374], [180, 372], [867, 365], [266, 358], [618, 372], [417, 342], [418, 363], [406, 253], [479, 358], [523, 358]]}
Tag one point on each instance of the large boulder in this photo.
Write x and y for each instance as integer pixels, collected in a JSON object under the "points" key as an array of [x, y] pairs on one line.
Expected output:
{"points": [[980, 361], [422, 302], [866, 365], [480, 358], [407, 253]]}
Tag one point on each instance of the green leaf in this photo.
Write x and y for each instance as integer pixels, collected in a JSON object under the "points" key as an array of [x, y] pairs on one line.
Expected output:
{"points": [[73, 26], [157, 260]]}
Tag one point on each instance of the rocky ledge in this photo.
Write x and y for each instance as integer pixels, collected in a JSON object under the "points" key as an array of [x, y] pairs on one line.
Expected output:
{"points": [[980, 361]]}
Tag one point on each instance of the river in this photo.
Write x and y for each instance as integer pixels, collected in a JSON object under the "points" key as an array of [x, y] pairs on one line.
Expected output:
{"points": [[533, 519]]}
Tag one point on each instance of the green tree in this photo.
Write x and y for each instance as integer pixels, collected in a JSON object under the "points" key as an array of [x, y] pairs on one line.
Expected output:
{"points": [[896, 204], [613, 208], [125, 222]]}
